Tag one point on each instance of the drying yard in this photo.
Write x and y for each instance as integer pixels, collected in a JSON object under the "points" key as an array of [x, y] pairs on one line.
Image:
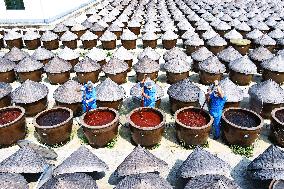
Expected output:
{"points": [[237, 42]]}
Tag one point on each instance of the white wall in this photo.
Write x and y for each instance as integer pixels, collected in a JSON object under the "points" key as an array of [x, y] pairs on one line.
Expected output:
{"points": [[40, 11]]}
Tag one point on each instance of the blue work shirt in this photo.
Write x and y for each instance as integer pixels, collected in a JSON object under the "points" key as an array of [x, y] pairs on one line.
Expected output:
{"points": [[216, 104], [150, 102], [89, 95]]}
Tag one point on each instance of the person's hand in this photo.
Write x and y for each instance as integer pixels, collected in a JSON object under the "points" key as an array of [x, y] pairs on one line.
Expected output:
{"points": [[79, 89], [216, 82], [209, 90], [219, 88], [207, 96], [220, 92], [90, 100], [143, 80]]}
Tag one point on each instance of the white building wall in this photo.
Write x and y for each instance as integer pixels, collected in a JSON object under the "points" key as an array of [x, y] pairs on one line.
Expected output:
{"points": [[40, 11]]}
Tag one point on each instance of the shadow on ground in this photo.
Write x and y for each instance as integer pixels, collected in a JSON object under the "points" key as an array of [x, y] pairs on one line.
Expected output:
{"points": [[242, 177], [172, 177]]}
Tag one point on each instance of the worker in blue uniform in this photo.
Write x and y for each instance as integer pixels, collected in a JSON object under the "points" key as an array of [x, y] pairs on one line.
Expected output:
{"points": [[149, 93], [89, 97], [216, 101]]}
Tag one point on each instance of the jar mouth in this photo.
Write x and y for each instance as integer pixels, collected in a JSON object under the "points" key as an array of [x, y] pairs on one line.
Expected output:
{"points": [[273, 114], [194, 109], [50, 111], [115, 119], [17, 108], [251, 113], [154, 110]]}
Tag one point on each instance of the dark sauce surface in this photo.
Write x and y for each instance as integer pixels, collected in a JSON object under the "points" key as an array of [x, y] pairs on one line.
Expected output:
{"points": [[280, 115], [242, 119], [192, 118], [99, 118], [8, 116], [53, 118], [146, 118]]}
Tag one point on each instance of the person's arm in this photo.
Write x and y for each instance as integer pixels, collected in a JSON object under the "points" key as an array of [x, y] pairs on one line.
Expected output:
{"points": [[207, 95], [142, 87], [93, 96], [152, 92], [80, 89], [144, 95], [220, 92], [142, 90]]}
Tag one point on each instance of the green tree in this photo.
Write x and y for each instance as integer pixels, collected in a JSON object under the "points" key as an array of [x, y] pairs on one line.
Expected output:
{"points": [[15, 5]]}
